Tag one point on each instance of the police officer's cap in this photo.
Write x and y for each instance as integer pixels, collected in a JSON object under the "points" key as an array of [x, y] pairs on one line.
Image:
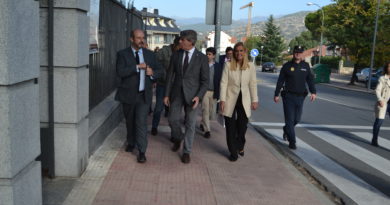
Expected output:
{"points": [[298, 49]]}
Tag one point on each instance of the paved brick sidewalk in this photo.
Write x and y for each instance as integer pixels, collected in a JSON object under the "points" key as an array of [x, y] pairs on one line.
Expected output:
{"points": [[260, 177]]}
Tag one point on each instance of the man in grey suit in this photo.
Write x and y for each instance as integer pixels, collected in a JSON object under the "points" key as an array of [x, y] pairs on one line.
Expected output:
{"points": [[187, 82], [137, 69]]}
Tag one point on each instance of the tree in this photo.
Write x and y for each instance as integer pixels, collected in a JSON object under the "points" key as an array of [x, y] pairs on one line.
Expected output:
{"points": [[273, 42], [305, 39], [350, 25]]}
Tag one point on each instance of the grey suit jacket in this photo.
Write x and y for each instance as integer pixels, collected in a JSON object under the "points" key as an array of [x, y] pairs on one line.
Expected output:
{"points": [[127, 72], [192, 83]]}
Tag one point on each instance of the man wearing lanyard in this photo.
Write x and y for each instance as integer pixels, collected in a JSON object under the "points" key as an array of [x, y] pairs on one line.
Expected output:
{"points": [[137, 69]]}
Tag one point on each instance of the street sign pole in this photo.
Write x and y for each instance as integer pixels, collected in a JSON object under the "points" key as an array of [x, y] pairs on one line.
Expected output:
{"points": [[217, 36], [373, 46]]}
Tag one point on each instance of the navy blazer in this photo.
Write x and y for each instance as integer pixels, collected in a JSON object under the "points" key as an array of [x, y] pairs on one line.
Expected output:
{"points": [[217, 79]]}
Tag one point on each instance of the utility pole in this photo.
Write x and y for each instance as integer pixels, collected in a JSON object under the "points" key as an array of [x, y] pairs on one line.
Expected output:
{"points": [[373, 45]]}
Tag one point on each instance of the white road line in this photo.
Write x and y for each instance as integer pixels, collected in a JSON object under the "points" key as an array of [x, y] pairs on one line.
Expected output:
{"points": [[370, 158], [354, 187], [278, 124], [368, 136]]}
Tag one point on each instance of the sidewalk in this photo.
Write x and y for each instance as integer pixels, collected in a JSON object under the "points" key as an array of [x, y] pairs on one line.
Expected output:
{"points": [[262, 176], [342, 81]]}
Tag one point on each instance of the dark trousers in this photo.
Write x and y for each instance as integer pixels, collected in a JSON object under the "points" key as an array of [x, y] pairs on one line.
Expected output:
{"points": [[377, 126], [292, 107], [236, 128], [136, 122], [160, 92]]}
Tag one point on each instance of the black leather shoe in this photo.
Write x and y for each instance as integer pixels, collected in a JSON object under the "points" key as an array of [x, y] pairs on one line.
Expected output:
{"points": [[154, 131], [141, 158], [292, 146], [233, 158], [206, 135], [374, 143], [172, 139], [242, 153], [176, 145], [129, 148], [186, 158], [201, 127]]}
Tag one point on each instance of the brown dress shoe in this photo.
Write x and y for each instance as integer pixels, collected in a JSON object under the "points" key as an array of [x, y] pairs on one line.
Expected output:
{"points": [[176, 145], [186, 158]]}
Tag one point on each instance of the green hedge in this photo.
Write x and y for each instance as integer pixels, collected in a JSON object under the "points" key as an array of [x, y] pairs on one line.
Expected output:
{"points": [[331, 61]]}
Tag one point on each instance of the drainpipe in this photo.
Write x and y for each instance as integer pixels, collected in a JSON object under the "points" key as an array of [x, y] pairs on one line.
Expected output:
{"points": [[50, 52]]}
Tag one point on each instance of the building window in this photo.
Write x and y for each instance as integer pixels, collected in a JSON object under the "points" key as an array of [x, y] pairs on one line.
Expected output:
{"points": [[156, 39]]}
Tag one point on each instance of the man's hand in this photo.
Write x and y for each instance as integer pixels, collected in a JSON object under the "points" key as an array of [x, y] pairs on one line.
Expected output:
{"points": [[222, 106], [381, 103], [313, 97], [276, 99], [195, 102], [166, 101], [254, 105], [149, 71], [142, 66]]}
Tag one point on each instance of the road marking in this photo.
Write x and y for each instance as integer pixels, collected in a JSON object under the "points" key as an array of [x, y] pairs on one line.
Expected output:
{"points": [[370, 158], [367, 136], [354, 187], [279, 124]]}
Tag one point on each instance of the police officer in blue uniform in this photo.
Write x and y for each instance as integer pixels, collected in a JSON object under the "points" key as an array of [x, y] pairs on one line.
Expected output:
{"points": [[291, 84]]}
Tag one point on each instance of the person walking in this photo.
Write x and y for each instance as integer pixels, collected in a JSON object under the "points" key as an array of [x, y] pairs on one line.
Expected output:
{"points": [[163, 57], [238, 96], [382, 105], [187, 82], [137, 69], [212, 94], [293, 78]]}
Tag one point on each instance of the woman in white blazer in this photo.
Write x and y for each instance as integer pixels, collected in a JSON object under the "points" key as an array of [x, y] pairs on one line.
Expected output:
{"points": [[382, 106], [238, 95]]}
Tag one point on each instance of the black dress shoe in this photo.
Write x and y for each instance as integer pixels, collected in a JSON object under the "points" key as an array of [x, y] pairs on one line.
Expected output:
{"points": [[242, 153], [233, 158], [206, 135], [186, 158], [201, 127], [172, 139], [176, 145], [374, 143], [154, 131], [129, 148], [141, 158], [292, 146]]}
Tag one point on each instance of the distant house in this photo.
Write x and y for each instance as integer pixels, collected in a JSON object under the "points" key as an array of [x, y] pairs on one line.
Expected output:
{"points": [[225, 42], [160, 30]]}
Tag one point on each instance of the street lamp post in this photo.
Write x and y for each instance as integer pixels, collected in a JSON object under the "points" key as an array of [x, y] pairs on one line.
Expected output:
{"points": [[322, 27], [261, 57], [373, 46]]}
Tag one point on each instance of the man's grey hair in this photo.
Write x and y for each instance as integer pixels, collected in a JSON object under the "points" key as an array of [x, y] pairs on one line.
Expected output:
{"points": [[190, 35]]}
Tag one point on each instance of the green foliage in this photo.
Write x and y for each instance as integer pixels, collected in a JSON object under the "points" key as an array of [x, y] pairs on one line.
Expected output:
{"points": [[252, 42], [332, 62], [305, 39], [273, 42], [350, 24]]}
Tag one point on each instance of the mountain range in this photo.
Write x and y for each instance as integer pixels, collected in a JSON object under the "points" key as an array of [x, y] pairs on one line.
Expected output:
{"points": [[290, 25]]}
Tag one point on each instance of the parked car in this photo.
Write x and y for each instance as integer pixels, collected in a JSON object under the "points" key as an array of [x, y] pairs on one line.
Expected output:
{"points": [[362, 76], [375, 78], [268, 66]]}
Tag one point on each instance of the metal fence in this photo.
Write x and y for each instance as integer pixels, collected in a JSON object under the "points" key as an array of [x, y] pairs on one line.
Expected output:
{"points": [[115, 25]]}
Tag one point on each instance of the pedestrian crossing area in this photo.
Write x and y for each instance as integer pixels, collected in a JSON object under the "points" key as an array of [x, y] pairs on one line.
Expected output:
{"points": [[357, 189]]}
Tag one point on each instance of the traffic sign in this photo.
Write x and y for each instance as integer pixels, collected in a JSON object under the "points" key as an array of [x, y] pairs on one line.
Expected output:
{"points": [[254, 52]]}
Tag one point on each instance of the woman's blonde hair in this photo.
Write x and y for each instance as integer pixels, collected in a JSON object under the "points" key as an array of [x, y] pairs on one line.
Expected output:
{"points": [[234, 63]]}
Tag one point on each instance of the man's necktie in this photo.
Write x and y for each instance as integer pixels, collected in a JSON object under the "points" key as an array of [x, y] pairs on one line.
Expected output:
{"points": [[137, 57], [185, 64]]}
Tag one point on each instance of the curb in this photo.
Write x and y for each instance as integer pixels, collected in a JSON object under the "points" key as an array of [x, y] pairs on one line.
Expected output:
{"points": [[346, 88], [337, 195]]}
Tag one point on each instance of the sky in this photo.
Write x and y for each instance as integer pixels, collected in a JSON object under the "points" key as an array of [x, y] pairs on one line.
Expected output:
{"points": [[197, 8]]}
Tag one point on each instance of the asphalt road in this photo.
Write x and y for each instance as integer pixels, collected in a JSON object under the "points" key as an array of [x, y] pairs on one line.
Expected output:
{"points": [[333, 140]]}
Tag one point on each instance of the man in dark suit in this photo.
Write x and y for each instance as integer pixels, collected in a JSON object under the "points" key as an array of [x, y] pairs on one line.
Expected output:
{"points": [[227, 57], [138, 69], [187, 82]]}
